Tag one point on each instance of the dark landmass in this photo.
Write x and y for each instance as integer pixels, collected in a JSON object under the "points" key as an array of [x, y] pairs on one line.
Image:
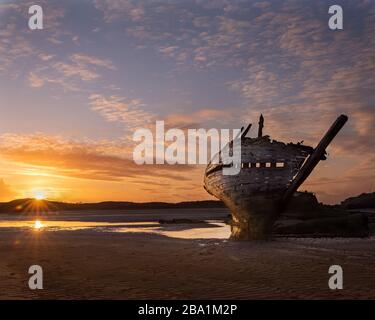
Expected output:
{"points": [[306, 216], [304, 205], [347, 225], [363, 201], [32, 205]]}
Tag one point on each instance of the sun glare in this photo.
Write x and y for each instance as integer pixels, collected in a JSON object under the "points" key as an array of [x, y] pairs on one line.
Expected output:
{"points": [[39, 195], [38, 224]]}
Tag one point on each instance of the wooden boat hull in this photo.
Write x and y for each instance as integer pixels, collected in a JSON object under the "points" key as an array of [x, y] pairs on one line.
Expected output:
{"points": [[270, 174], [253, 217], [254, 195]]}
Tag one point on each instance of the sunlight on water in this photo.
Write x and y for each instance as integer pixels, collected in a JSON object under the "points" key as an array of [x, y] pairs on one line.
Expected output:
{"points": [[38, 225], [66, 225], [207, 230], [217, 230]]}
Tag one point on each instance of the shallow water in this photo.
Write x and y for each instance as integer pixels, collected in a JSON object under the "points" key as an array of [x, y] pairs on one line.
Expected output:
{"points": [[210, 229], [213, 230]]}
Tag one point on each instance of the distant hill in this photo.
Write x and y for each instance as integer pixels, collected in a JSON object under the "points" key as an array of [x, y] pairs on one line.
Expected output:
{"points": [[32, 205], [365, 200]]}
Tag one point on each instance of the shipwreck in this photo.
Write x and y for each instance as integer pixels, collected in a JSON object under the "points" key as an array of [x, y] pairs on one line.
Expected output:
{"points": [[270, 174]]}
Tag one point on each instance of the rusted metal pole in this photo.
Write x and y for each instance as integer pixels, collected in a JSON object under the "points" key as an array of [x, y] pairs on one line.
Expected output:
{"points": [[314, 158]]}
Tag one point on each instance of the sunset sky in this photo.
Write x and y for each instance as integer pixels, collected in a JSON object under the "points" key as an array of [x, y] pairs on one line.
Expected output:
{"points": [[73, 94]]}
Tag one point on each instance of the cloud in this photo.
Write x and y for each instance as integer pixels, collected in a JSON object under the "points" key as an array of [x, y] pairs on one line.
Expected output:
{"points": [[19, 55], [262, 5], [75, 70], [35, 81], [45, 57], [202, 118], [121, 109], [85, 60], [82, 66], [6, 192], [92, 160], [16, 40], [196, 35], [116, 9], [72, 74], [8, 6], [13, 46], [302, 75]]}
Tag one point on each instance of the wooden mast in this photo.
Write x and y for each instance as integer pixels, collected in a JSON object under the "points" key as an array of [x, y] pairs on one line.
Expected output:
{"points": [[244, 133], [314, 158]]}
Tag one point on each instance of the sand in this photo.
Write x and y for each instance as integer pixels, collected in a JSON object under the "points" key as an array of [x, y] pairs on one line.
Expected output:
{"points": [[88, 264]]}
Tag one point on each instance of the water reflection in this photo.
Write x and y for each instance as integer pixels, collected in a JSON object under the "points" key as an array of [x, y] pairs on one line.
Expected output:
{"points": [[38, 225], [210, 229], [213, 230]]}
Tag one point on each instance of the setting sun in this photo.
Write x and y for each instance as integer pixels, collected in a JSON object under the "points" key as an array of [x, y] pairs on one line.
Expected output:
{"points": [[39, 195]]}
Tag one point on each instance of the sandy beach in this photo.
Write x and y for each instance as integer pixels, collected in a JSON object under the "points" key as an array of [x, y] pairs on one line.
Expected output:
{"points": [[104, 263]]}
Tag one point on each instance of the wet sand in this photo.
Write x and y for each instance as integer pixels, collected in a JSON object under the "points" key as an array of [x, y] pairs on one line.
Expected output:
{"points": [[89, 264]]}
